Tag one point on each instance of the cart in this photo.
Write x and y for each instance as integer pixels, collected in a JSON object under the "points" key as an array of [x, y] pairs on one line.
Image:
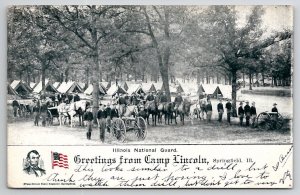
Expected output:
{"points": [[269, 121], [120, 126], [52, 113]]}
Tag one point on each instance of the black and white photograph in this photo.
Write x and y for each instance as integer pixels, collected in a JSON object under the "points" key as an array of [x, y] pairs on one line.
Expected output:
{"points": [[142, 75]]}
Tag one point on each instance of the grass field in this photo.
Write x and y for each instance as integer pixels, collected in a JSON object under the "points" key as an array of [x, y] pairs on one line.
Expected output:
{"points": [[201, 132]]}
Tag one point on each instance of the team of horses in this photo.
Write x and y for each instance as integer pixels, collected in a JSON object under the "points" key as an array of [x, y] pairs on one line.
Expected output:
{"points": [[169, 111]]}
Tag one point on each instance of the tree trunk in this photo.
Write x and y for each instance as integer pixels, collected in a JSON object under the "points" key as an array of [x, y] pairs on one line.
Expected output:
{"points": [[250, 81], [67, 74], [244, 83], [43, 78], [198, 76], [263, 78], [234, 90]]}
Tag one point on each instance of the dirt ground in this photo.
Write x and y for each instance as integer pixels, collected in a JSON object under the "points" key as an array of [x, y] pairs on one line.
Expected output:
{"points": [[200, 132]]}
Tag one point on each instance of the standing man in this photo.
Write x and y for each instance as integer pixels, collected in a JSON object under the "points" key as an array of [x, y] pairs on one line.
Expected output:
{"points": [[142, 113], [101, 120], [220, 110], [208, 110], [36, 113], [16, 106], [108, 117], [43, 111], [253, 114], [228, 107], [274, 109], [134, 99], [247, 111], [241, 113], [122, 103], [88, 116]]}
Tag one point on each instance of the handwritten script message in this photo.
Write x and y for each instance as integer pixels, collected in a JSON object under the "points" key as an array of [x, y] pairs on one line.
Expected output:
{"points": [[177, 167]]}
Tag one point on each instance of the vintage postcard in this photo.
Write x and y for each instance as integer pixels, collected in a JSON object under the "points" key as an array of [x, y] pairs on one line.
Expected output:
{"points": [[156, 96]]}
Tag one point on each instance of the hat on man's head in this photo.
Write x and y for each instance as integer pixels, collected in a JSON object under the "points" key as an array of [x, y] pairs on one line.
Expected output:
{"points": [[274, 104]]}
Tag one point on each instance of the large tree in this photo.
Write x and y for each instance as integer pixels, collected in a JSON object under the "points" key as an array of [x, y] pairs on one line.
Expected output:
{"points": [[235, 46]]}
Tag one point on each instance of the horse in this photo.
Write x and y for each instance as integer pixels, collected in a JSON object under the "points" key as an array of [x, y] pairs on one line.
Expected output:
{"points": [[72, 110], [170, 112], [182, 110], [130, 111], [151, 109], [194, 110]]}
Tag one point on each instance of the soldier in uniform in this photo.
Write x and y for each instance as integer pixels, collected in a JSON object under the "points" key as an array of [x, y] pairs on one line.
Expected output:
{"points": [[247, 111], [149, 99], [108, 117], [208, 110], [178, 100], [241, 113], [228, 107], [274, 109], [220, 110], [253, 114], [134, 99], [43, 111], [16, 106], [88, 116], [122, 103], [36, 113], [142, 113], [101, 119]]}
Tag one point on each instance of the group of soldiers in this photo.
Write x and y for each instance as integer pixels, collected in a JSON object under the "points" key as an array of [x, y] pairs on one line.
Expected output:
{"points": [[248, 112], [107, 113]]}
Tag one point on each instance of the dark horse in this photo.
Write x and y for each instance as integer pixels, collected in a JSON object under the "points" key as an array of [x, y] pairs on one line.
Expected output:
{"points": [[182, 110], [151, 109], [169, 112]]}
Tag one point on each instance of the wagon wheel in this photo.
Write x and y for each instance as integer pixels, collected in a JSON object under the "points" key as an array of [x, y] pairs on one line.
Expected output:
{"points": [[279, 122], [264, 121], [119, 129], [49, 117], [141, 128]]}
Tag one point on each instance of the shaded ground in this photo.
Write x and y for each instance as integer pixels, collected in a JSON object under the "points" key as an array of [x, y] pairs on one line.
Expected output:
{"points": [[201, 132]]}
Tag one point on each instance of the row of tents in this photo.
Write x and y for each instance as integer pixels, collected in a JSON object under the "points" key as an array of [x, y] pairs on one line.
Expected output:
{"points": [[20, 88]]}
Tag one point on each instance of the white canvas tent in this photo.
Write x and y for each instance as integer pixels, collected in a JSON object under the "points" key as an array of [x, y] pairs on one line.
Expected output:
{"points": [[190, 88], [10, 90], [114, 89], [32, 85], [69, 87], [147, 87], [20, 87], [226, 91], [82, 85], [158, 86], [90, 89], [106, 85], [48, 87], [209, 89], [135, 88]]}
